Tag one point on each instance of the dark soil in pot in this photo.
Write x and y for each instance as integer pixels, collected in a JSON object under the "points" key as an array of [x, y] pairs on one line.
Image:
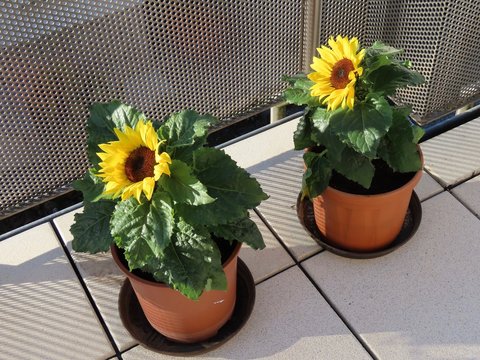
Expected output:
{"points": [[226, 249], [384, 180]]}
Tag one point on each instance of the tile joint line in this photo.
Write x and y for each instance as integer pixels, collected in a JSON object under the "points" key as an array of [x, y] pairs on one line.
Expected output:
{"points": [[85, 289], [316, 286]]}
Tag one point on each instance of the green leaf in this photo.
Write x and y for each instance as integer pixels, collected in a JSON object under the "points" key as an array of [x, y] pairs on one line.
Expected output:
{"points": [[379, 49], [300, 97], [91, 187], [299, 81], [243, 230], [190, 263], [299, 93], [104, 117], [355, 167], [399, 149], [183, 186], [317, 175], [363, 128], [324, 135], [321, 119], [185, 132], [91, 229], [143, 226], [233, 188], [302, 135], [389, 78]]}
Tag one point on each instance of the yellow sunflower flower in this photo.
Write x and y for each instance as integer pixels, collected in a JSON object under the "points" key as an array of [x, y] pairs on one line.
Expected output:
{"points": [[336, 72], [132, 164]]}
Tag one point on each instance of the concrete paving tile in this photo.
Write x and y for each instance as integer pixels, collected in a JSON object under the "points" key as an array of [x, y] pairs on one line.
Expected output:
{"points": [[281, 179], [420, 301], [266, 262], [427, 187], [469, 193], [103, 280], [290, 320], [265, 145], [45, 312], [452, 157]]}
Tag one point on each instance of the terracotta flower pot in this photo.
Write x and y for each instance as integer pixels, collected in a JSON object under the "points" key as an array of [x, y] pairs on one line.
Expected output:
{"points": [[363, 223], [177, 317]]}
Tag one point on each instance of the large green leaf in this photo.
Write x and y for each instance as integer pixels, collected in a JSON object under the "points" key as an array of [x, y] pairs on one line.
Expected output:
{"points": [[299, 93], [379, 54], [300, 97], [243, 230], [323, 135], [104, 117], [233, 188], [321, 119], [91, 229], [149, 223], [183, 186], [299, 81], [185, 132], [317, 176], [190, 263], [363, 128], [302, 135], [399, 149], [355, 167], [91, 187], [389, 78]]}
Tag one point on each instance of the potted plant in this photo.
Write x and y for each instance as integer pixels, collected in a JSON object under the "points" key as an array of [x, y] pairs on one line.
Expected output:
{"points": [[171, 210], [362, 159]]}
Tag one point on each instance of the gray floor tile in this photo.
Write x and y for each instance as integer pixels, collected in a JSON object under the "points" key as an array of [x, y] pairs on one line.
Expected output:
{"points": [[266, 262], [281, 179], [290, 320], [45, 313], [427, 187], [103, 280], [265, 145], [452, 157], [469, 194], [421, 301]]}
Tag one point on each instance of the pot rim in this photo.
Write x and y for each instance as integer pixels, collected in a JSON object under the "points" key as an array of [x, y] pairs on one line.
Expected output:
{"points": [[414, 180], [114, 250]]}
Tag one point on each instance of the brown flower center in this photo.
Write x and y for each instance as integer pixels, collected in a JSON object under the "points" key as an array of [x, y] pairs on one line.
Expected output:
{"points": [[339, 78], [139, 164]]}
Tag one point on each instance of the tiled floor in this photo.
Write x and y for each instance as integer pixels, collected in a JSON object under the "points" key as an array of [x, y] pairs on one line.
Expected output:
{"points": [[420, 302]]}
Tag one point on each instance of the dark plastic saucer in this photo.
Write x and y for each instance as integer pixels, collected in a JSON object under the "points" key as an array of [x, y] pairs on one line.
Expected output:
{"points": [[410, 226], [136, 323]]}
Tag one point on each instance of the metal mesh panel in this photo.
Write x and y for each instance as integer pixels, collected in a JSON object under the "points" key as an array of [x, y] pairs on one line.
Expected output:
{"points": [[57, 57], [440, 38]]}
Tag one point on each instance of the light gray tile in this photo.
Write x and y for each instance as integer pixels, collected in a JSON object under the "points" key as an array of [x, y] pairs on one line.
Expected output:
{"points": [[469, 193], [290, 320], [281, 179], [422, 300], [103, 280], [452, 157], [427, 187], [265, 145], [266, 262], [45, 313]]}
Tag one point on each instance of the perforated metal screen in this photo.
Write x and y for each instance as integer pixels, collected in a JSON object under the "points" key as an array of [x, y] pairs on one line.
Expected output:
{"points": [[441, 38], [57, 57]]}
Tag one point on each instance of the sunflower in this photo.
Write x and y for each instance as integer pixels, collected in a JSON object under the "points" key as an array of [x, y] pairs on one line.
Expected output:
{"points": [[336, 72], [132, 164]]}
